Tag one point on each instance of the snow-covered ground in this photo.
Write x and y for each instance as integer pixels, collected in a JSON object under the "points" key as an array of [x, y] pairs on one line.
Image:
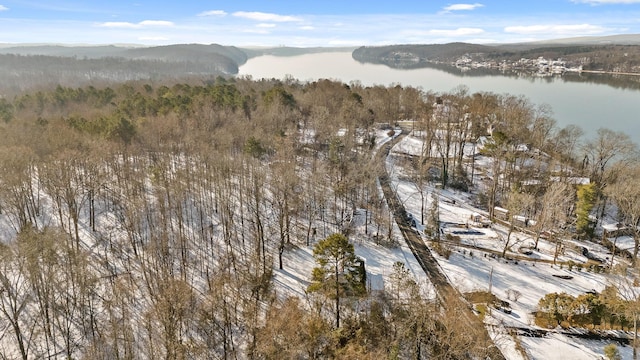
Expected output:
{"points": [[471, 269], [557, 346], [467, 269], [476, 270], [379, 260]]}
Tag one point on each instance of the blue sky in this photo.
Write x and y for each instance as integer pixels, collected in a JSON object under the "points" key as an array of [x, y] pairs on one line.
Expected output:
{"points": [[311, 22]]}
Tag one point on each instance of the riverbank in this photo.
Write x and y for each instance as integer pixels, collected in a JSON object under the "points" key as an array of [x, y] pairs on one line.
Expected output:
{"points": [[609, 72], [574, 99]]}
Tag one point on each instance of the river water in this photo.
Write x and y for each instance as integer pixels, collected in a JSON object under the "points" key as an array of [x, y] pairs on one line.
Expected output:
{"points": [[587, 104]]}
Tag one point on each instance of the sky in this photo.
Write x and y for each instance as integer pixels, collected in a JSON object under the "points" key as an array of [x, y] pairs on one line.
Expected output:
{"points": [[308, 23]]}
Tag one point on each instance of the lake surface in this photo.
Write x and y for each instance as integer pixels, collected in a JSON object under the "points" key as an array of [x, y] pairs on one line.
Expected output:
{"points": [[586, 104]]}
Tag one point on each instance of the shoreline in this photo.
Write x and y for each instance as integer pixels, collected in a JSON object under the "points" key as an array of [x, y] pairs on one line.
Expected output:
{"points": [[608, 72]]}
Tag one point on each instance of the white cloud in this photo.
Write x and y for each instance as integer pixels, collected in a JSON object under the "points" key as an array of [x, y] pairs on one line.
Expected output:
{"points": [[213, 13], [3, 8], [578, 29], [260, 16], [605, 2], [141, 24], [322, 30], [119, 24], [462, 7], [156, 23]]}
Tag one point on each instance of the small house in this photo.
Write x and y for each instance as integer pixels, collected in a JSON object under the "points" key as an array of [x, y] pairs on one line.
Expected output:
{"points": [[501, 213]]}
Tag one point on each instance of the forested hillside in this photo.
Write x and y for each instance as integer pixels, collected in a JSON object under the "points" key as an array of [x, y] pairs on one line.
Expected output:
{"points": [[32, 67], [435, 52], [146, 220], [609, 58]]}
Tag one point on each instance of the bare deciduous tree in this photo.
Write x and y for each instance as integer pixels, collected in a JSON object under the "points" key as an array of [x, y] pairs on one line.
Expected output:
{"points": [[625, 192]]}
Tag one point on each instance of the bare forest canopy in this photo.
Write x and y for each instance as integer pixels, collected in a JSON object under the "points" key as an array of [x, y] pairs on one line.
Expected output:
{"points": [[145, 220]]}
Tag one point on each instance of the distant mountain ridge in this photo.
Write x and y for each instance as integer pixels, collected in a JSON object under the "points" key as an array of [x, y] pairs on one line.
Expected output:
{"points": [[623, 39], [292, 51], [179, 52], [93, 52], [26, 66]]}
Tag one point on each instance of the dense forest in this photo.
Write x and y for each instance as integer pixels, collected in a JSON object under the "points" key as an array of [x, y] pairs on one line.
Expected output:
{"points": [[145, 220]]}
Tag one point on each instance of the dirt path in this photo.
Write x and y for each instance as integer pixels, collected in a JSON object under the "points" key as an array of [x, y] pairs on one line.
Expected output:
{"points": [[446, 294]]}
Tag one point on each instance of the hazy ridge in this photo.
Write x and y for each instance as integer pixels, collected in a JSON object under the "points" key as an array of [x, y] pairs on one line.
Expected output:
{"points": [[24, 67]]}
